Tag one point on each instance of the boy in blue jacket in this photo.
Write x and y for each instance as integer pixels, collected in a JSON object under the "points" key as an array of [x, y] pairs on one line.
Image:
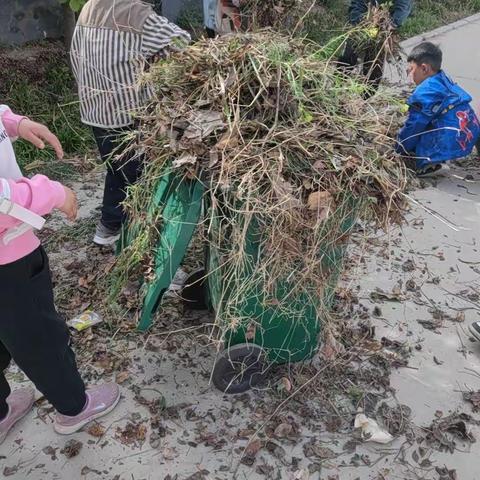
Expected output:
{"points": [[441, 124]]}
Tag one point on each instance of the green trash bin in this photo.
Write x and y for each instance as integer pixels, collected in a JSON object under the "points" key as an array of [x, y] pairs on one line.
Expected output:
{"points": [[276, 339], [266, 334]]}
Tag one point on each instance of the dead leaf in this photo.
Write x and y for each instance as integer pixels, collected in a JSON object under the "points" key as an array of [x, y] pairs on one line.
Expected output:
{"points": [[285, 193], [313, 449], [96, 430], [322, 203], [250, 333], [251, 451], [8, 471], [122, 377], [72, 448], [51, 452], [474, 399], [86, 470], [286, 384], [331, 347], [202, 123], [169, 453], [184, 159], [227, 140], [283, 430], [394, 296]]}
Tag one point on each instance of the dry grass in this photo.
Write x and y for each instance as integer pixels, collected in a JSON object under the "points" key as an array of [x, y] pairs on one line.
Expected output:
{"points": [[290, 154]]}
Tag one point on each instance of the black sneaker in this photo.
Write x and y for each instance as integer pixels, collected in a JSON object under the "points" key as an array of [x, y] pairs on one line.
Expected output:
{"points": [[474, 329], [431, 170]]}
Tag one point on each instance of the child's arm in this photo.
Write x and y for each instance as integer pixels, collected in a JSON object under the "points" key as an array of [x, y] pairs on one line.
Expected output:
{"points": [[417, 123], [33, 132], [39, 195], [160, 35]]}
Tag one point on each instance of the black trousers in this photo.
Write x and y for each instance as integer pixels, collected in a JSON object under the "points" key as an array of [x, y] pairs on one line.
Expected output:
{"points": [[372, 67], [124, 167], [34, 335]]}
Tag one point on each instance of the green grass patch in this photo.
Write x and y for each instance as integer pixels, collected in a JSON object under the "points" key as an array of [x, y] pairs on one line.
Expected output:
{"points": [[331, 16], [80, 232], [46, 93], [430, 14]]}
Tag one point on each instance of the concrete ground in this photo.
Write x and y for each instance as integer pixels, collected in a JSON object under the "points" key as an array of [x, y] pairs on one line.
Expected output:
{"points": [[172, 424]]}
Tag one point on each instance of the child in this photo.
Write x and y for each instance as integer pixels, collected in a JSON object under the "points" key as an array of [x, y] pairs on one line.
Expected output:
{"points": [[441, 124], [31, 331], [112, 46], [221, 16]]}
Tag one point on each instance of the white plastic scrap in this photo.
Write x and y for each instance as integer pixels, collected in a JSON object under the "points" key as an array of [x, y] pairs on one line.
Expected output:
{"points": [[371, 432]]}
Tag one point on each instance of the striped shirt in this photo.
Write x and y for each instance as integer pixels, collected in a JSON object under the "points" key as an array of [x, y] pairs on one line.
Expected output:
{"points": [[113, 43]]}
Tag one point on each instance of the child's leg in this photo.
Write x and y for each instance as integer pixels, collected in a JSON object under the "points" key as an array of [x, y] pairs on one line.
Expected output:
{"points": [[4, 386], [35, 335], [123, 169]]}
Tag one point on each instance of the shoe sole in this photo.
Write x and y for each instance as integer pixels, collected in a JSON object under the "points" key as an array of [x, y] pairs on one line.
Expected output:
{"points": [[75, 428], [105, 242], [474, 333]]}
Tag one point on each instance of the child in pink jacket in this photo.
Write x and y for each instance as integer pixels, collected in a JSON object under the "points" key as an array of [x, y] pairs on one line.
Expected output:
{"points": [[31, 331]]}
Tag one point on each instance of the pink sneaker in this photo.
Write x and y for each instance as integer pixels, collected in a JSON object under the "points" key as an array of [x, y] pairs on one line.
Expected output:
{"points": [[20, 402], [100, 401]]}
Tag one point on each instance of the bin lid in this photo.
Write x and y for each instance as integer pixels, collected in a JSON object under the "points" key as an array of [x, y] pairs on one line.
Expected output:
{"points": [[180, 199]]}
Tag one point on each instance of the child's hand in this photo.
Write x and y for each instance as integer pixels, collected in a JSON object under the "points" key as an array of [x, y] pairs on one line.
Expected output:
{"points": [[38, 134], [70, 206]]}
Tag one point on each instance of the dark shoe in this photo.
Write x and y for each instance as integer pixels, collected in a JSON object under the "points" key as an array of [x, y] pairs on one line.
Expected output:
{"points": [[432, 170]]}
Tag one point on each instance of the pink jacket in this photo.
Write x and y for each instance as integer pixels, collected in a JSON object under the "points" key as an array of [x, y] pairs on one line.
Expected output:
{"points": [[39, 194]]}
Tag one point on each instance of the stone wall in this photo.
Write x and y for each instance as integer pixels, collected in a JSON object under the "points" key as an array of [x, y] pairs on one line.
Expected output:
{"points": [[26, 20]]}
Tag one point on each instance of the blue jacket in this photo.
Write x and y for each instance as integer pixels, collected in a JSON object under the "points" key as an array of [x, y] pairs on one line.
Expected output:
{"points": [[400, 11], [441, 124]]}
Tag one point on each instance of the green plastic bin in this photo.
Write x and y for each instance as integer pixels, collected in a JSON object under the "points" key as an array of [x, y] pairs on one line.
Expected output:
{"points": [[245, 359]]}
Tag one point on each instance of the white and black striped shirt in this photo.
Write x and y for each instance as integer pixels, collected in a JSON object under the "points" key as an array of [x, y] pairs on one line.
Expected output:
{"points": [[111, 46]]}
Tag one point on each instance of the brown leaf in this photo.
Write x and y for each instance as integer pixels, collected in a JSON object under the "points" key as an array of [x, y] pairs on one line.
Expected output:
{"points": [[251, 451], [286, 384], [227, 140], [253, 448], [122, 377], [169, 453], [96, 430], [72, 448], [322, 203], [283, 430], [250, 333], [8, 471]]}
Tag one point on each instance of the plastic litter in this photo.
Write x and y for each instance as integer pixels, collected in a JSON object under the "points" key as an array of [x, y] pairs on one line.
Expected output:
{"points": [[86, 320], [371, 431]]}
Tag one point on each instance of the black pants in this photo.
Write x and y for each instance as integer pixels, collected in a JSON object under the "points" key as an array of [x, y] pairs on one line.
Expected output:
{"points": [[124, 167], [34, 335], [372, 67]]}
